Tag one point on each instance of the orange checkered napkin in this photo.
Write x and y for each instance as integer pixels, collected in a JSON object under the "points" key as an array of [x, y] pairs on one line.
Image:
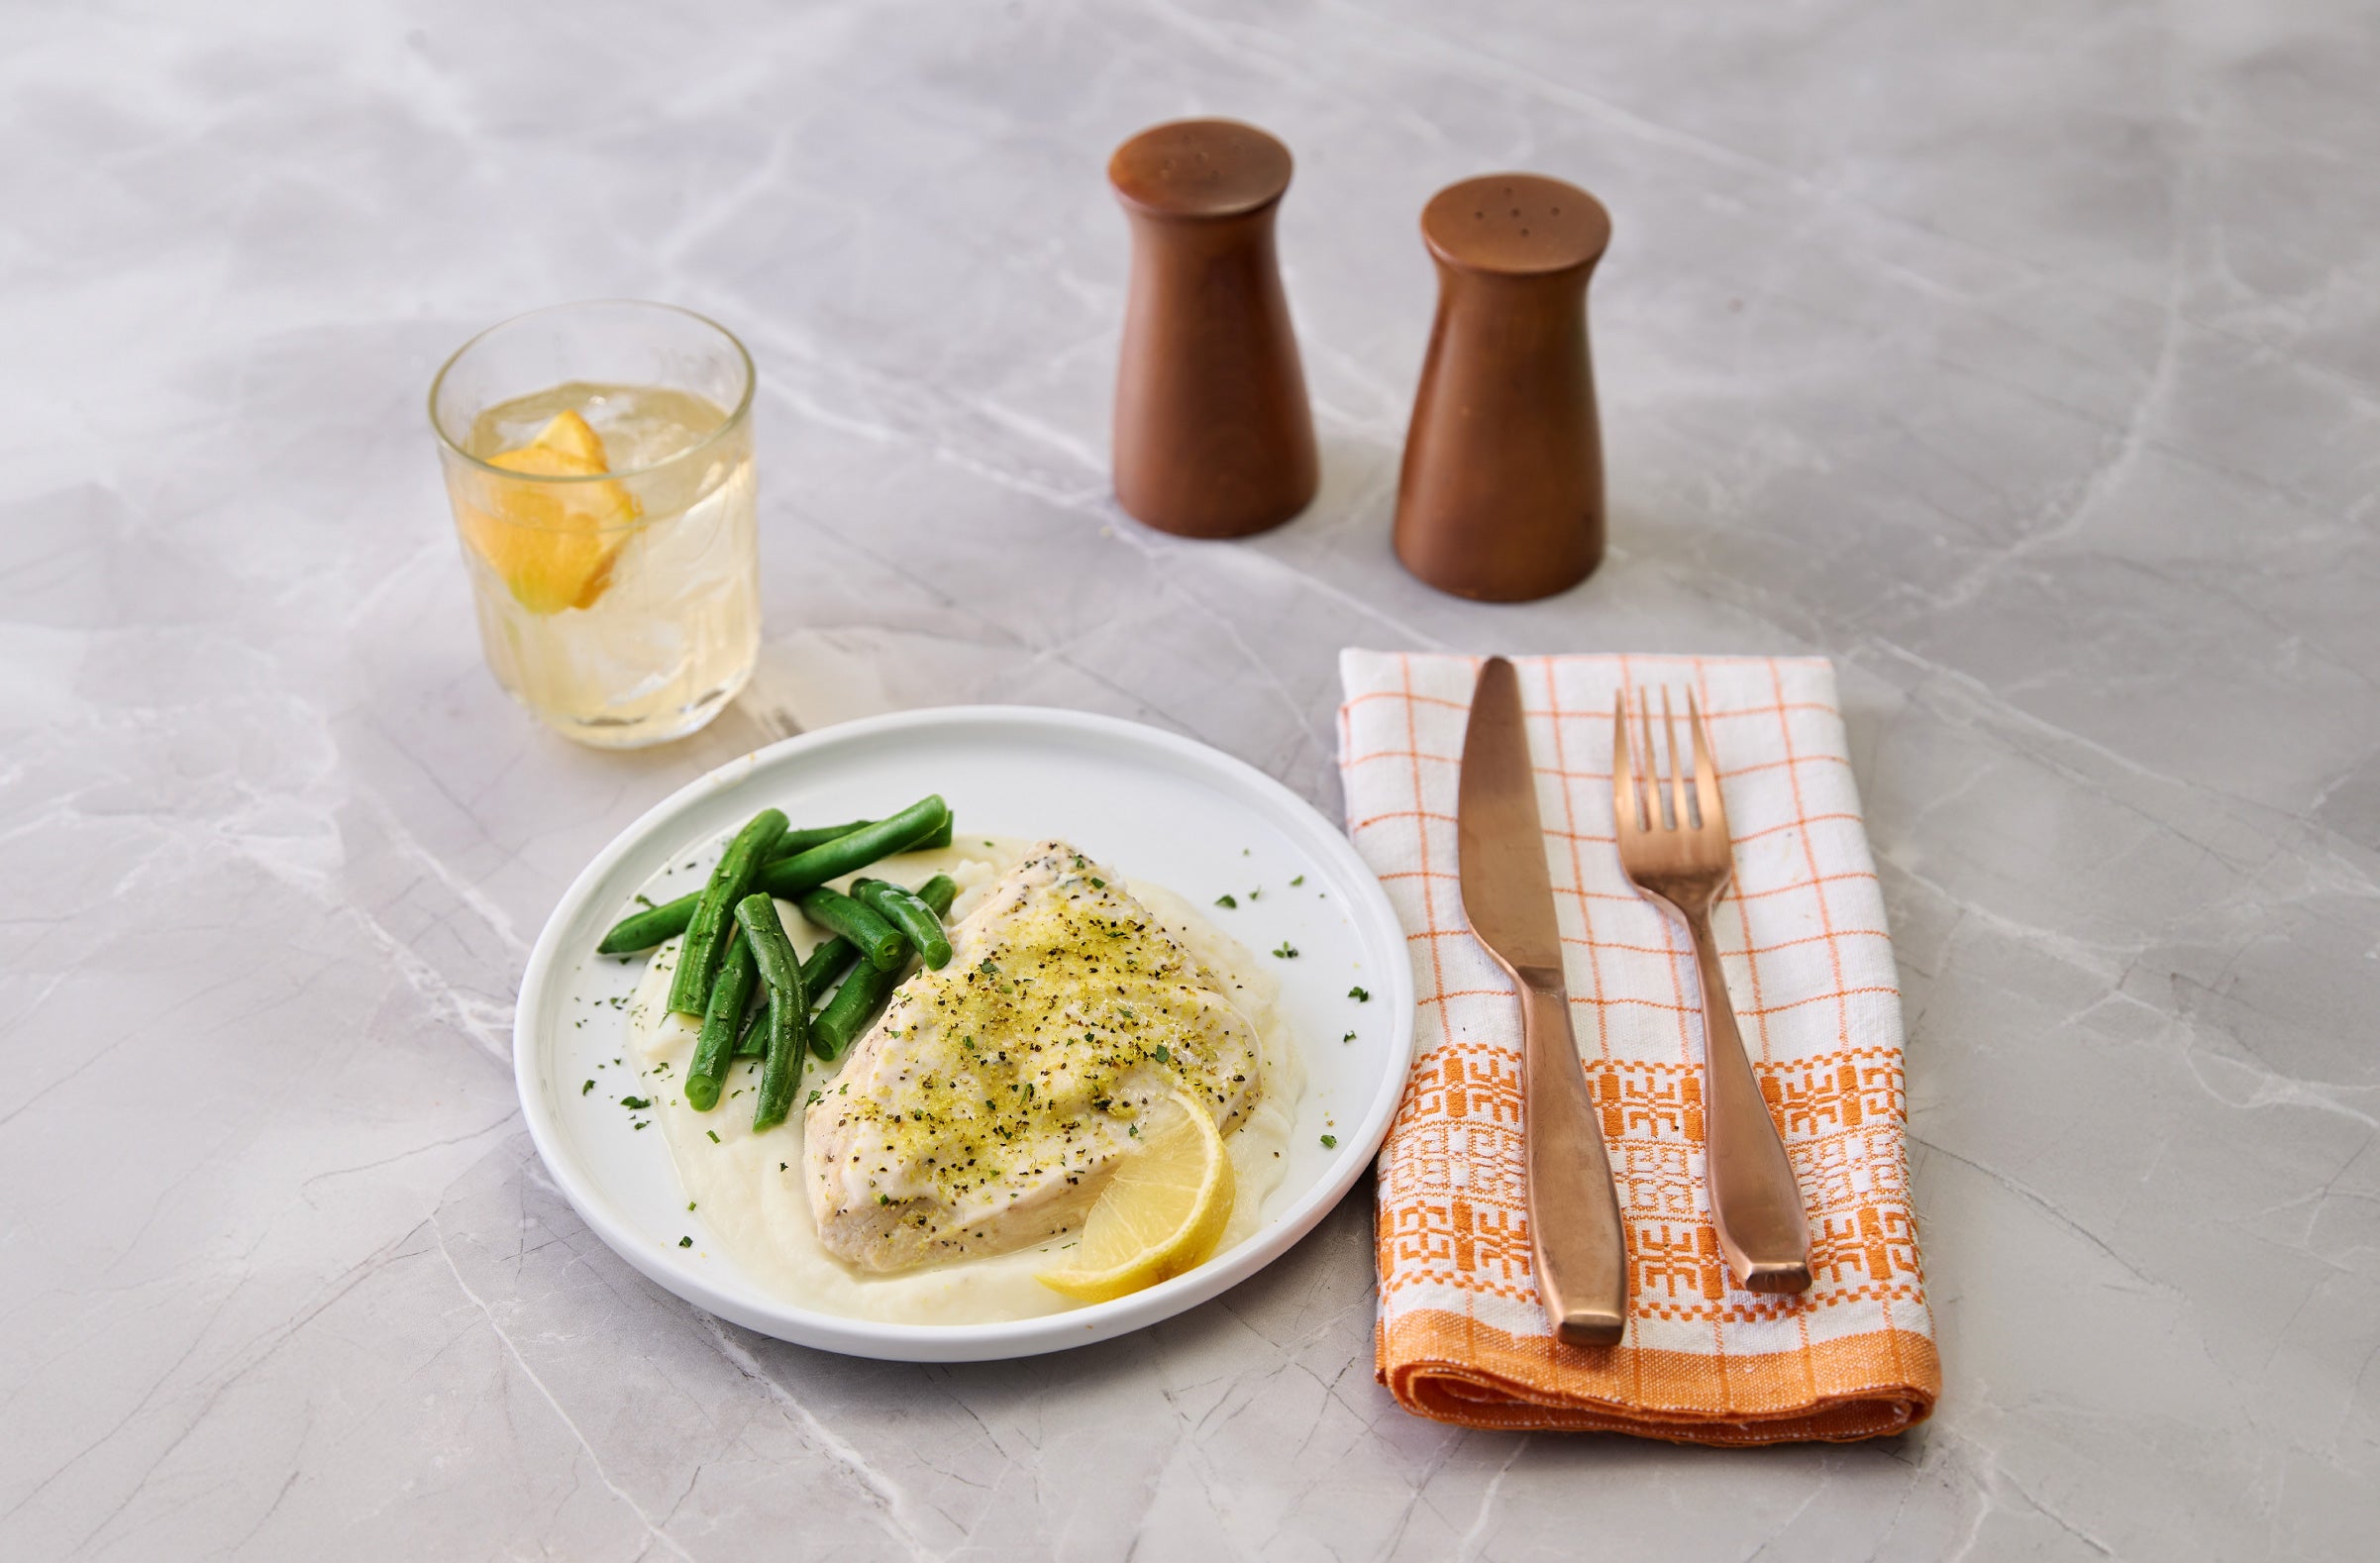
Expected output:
{"points": [[1809, 968]]}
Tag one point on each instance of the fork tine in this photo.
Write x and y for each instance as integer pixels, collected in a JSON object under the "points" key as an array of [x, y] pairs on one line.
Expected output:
{"points": [[1658, 816], [1628, 810], [1706, 771], [1689, 816]]}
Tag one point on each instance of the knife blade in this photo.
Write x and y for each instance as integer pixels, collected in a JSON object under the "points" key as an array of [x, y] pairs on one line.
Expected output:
{"points": [[1506, 892], [1575, 1234]]}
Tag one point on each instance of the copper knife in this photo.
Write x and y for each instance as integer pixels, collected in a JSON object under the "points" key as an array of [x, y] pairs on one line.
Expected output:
{"points": [[1575, 1231]]}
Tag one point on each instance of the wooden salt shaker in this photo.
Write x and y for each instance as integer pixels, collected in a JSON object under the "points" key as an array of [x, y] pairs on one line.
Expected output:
{"points": [[1214, 437], [1502, 494]]}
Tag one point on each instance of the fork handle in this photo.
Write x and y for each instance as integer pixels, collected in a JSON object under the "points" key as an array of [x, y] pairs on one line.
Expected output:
{"points": [[1754, 1200], [1575, 1235]]}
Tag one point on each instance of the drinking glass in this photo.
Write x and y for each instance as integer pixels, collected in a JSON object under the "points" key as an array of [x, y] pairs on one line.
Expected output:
{"points": [[598, 456]]}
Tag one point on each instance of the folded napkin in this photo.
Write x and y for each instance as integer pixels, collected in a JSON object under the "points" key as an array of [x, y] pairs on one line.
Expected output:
{"points": [[1462, 1336]]}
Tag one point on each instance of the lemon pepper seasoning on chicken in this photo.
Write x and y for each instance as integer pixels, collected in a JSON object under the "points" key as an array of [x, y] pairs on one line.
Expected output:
{"points": [[992, 1102]]}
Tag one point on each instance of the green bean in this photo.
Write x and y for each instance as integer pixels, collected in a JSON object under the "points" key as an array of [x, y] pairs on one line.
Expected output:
{"points": [[642, 930], [788, 1025], [837, 912], [755, 1040], [722, 1023], [864, 993], [699, 956], [789, 1021], [826, 961], [799, 841], [823, 964], [789, 876], [899, 906], [772, 951]]}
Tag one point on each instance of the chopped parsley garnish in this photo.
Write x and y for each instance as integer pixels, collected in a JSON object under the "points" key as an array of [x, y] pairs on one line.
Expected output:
{"points": [[689, 1205], [1161, 1054], [635, 1104], [1360, 996], [884, 1198], [583, 1089], [714, 1134], [685, 1242], [1299, 880], [1330, 1142], [1349, 1037], [1257, 894], [1287, 951], [1098, 884], [1227, 902], [816, 1097]]}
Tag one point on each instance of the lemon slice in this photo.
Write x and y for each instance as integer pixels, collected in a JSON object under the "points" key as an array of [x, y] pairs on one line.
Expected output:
{"points": [[1162, 1213], [551, 544]]}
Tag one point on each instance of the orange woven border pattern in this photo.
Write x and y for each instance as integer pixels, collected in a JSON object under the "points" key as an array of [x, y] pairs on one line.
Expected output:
{"points": [[1458, 1370]]}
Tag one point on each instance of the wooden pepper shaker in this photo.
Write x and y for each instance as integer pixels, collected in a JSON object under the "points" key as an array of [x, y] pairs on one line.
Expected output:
{"points": [[1214, 437], [1502, 494]]}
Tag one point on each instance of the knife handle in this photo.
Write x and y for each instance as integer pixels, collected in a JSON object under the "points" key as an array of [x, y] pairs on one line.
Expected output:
{"points": [[1755, 1201], [1575, 1234]]}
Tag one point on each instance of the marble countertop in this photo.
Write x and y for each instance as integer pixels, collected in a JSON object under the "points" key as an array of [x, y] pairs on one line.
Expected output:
{"points": [[2023, 358]]}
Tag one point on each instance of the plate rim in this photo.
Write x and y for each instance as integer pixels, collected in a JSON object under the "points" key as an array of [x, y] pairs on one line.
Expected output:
{"points": [[1007, 1338]]}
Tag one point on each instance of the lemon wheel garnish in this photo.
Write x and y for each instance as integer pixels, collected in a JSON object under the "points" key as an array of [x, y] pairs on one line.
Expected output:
{"points": [[551, 544], [1162, 1213]]}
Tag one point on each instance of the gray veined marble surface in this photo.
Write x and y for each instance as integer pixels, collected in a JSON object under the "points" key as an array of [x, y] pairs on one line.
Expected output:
{"points": [[2024, 358]]}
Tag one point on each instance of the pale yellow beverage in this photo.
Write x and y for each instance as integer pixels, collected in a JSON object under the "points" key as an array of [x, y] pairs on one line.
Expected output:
{"points": [[608, 528]]}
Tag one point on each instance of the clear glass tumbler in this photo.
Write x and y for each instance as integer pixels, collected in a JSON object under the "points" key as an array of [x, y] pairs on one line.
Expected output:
{"points": [[599, 461]]}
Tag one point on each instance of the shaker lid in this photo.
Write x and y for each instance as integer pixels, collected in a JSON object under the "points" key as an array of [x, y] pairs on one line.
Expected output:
{"points": [[1516, 224], [1201, 169]]}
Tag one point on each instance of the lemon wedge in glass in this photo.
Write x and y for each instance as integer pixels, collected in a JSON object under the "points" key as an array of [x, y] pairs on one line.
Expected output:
{"points": [[553, 544], [573, 436], [1162, 1213]]}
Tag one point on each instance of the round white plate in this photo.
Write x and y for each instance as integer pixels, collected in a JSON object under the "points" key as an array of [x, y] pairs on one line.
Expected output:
{"points": [[1155, 806]]}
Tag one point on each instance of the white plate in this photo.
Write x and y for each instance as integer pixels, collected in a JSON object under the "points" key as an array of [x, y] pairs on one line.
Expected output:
{"points": [[1156, 807]]}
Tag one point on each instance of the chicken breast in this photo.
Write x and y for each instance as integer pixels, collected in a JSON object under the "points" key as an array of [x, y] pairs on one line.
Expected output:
{"points": [[988, 1106]]}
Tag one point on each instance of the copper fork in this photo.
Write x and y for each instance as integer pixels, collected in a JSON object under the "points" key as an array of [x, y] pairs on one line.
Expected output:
{"points": [[1674, 845]]}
